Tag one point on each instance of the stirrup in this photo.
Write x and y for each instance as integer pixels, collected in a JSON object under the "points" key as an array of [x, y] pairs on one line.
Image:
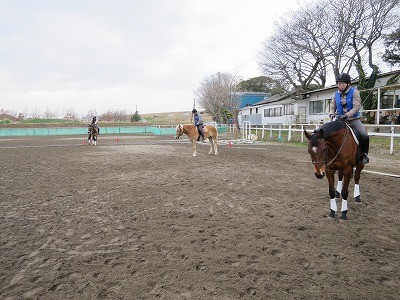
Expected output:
{"points": [[364, 159]]}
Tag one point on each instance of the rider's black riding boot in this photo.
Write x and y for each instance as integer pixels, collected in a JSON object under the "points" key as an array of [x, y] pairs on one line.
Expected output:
{"points": [[364, 159]]}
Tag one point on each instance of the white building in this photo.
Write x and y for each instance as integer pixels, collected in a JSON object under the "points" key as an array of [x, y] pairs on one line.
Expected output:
{"points": [[312, 107]]}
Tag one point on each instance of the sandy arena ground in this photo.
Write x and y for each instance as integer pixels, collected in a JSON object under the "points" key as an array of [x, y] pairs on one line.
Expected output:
{"points": [[143, 219]]}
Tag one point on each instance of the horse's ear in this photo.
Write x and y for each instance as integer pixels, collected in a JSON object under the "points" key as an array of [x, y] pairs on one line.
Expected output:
{"points": [[308, 136]]}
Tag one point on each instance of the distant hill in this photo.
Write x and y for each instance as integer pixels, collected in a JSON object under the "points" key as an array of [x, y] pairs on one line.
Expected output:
{"points": [[167, 118], [172, 118]]}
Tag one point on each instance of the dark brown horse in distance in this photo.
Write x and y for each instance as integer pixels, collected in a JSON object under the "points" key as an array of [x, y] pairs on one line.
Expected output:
{"points": [[210, 133], [333, 148], [93, 133]]}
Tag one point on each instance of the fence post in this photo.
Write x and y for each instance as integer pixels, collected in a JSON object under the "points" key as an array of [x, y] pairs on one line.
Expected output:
{"points": [[270, 132], [302, 135], [280, 133], [262, 132], [289, 137], [392, 140]]}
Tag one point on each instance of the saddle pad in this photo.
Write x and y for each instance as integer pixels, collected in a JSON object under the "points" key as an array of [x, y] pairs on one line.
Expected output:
{"points": [[353, 133]]}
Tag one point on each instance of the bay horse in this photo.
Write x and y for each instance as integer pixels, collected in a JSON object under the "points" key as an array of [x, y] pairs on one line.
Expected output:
{"points": [[332, 148], [93, 133], [210, 133]]}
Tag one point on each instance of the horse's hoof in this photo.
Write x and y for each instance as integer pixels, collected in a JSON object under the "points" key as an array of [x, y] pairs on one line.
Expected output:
{"points": [[343, 217], [358, 199], [332, 214], [337, 194]]}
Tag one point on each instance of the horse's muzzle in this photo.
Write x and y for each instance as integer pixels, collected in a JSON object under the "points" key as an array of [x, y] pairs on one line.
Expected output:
{"points": [[319, 172]]}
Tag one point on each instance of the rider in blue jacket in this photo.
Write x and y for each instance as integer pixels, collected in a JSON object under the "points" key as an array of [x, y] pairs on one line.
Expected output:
{"points": [[347, 103], [198, 122]]}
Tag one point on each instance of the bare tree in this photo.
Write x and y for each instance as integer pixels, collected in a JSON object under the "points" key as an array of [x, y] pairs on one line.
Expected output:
{"points": [[215, 94], [330, 36], [297, 53], [48, 114], [70, 114]]}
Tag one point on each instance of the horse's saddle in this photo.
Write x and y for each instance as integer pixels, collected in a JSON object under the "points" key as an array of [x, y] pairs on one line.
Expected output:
{"points": [[204, 129], [355, 133]]}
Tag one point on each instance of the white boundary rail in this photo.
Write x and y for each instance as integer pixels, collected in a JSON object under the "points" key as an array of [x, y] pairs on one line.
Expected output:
{"points": [[290, 128]]}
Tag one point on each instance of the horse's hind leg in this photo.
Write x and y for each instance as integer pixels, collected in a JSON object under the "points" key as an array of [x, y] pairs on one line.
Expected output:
{"points": [[215, 143], [194, 147], [339, 185], [210, 140], [357, 175]]}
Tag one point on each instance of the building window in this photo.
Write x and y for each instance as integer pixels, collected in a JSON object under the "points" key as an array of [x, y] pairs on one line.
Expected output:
{"points": [[327, 105], [316, 107], [256, 110], [251, 110], [289, 109], [388, 100], [273, 112]]}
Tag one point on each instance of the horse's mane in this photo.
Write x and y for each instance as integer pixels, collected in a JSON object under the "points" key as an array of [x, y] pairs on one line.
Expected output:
{"points": [[329, 128]]}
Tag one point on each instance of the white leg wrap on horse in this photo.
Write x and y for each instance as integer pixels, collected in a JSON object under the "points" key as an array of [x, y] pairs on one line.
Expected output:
{"points": [[356, 190], [333, 204], [339, 186], [344, 205]]}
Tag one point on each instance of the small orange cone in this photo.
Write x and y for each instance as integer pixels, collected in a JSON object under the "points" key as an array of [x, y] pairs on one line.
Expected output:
{"points": [[117, 140], [229, 144], [83, 142]]}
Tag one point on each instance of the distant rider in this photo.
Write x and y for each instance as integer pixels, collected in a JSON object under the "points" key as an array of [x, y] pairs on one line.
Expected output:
{"points": [[198, 122], [94, 124], [347, 103]]}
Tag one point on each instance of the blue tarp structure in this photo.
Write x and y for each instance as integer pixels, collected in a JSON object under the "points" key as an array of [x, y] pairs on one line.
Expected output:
{"points": [[157, 130]]}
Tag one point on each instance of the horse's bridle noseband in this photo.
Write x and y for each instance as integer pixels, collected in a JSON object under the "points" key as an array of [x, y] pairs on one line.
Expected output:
{"points": [[337, 154]]}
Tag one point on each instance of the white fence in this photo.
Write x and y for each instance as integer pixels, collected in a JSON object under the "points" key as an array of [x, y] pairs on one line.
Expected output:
{"points": [[269, 129]]}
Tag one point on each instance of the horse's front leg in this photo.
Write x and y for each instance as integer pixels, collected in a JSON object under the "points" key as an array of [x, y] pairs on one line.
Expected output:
{"points": [[357, 175], [339, 184], [215, 142], [347, 174], [194, 147], [330, 175]]}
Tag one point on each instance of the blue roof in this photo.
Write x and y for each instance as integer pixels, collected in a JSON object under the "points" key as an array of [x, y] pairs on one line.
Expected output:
{"points": [[247, 99]]}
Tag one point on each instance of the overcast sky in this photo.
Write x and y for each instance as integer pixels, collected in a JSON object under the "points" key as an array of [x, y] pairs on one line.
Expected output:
{"points": [[115, 55]]}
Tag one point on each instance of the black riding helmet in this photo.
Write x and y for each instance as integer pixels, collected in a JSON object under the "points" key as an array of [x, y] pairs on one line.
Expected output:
{"points": [[343, 77], [194, 111]]}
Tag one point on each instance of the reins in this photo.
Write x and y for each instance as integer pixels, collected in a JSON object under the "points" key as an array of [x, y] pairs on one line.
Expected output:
{"points": [[186, 131], [338, 152]]}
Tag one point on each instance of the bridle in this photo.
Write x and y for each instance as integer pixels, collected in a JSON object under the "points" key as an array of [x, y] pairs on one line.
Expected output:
{"points": [[182, 130], [337, 154]]}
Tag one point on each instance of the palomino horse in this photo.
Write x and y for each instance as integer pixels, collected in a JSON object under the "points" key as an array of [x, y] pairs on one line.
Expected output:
{"points": [[210, 133], [93, 133], [332, 148]]}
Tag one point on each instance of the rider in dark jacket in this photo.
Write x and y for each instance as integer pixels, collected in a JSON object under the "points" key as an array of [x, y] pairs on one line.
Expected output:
{"points": [[94, 124], [198, 122], [347, 103]]}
